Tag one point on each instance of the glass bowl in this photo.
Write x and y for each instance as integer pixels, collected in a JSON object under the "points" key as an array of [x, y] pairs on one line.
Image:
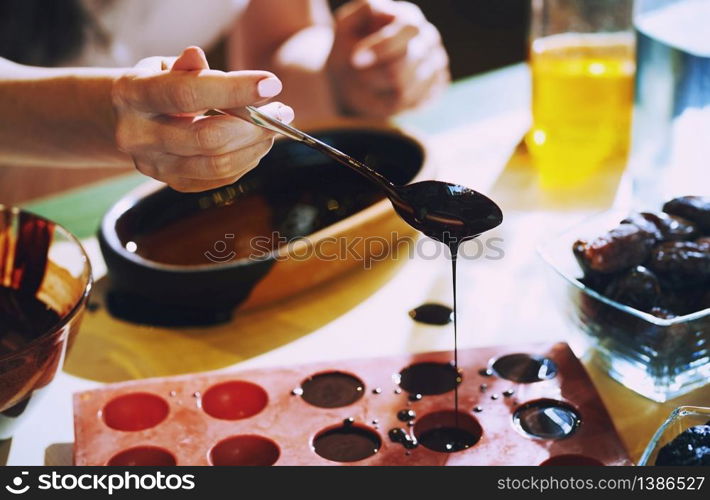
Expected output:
{"points": [[679, 420], [45, 280], [657, 358]]}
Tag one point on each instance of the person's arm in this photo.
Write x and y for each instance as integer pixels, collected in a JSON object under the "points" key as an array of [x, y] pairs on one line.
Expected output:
{"points": [[58, 116], [149, 115], [293, 39]]}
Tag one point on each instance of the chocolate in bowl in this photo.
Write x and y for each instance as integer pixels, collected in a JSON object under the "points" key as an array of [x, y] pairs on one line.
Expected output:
{"points": [[45, 281], [186, 259]]}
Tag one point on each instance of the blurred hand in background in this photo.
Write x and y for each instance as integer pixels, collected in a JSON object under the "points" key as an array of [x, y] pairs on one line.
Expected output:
{"points": [[386, 58]]}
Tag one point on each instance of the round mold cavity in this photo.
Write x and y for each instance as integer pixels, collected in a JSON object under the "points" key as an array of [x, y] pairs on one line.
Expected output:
{"points": [[234, 400], [546, 419], [572, 460], [151, 456], [524, 368], [429, 378], [448, 432], [135, 411], [245, 450], [332, 389], [347, 443]]}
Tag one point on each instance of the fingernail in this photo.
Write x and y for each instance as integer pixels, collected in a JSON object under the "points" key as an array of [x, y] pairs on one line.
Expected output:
{"points": [[363, 58], [285, 114], [269, 87]]}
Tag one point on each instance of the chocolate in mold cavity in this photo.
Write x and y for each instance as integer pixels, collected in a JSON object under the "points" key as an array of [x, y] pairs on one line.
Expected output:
{"points": [[546, 419], [447, 439], [432, 314], [332, 389], [346, 443], [448, 431], [245, 450], [524, 368]]}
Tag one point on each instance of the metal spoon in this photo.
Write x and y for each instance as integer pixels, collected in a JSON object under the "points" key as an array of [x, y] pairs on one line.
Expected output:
{"points": [[449, 213]]}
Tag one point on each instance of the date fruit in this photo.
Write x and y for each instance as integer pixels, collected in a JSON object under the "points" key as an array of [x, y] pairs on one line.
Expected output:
{"points": [[624, 246], [638, 287], [681, 264], [694, 208]]}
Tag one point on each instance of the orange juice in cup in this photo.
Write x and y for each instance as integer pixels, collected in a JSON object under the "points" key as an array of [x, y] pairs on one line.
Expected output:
{"points": [[582, 97]]}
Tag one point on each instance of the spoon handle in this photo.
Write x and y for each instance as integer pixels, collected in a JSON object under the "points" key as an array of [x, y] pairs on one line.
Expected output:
{"points": [[253, 115]]}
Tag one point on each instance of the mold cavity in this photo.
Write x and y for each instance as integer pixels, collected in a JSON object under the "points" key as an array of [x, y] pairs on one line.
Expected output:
{"points": [[245, 450], [234, 400], [429, 378], [135, 411], [347, 443], [546, 419], [332, 389], [524, 368], [572, 460], [447, 432], [143, 455]]}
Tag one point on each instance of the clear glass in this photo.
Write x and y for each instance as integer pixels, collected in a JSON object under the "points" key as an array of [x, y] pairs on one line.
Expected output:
{"points": [[582, 64], [657, 358], [670, 146], [45, 261], [679, 420]]}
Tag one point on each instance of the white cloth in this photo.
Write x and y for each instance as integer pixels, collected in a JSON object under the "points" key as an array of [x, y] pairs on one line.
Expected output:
{"points": [[141, 28]]}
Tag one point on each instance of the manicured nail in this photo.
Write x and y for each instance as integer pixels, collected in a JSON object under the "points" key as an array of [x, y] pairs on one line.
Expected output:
{"points": [[285, 114], [269, 87], [363, 58]]}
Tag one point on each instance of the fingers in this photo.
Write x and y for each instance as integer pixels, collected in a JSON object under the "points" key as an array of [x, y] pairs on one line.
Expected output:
{"points": [[201, 135], [191, 59], [158, 108], [200, 173], [191, 92], [389, 43], [214, 168]]}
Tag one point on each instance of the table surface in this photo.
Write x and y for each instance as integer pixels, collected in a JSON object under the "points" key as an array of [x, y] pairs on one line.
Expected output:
{"points": [[474, 135]]}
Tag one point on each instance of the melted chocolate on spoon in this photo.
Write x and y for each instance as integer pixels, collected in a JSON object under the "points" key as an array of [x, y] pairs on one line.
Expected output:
{"points": [[450, 214]]}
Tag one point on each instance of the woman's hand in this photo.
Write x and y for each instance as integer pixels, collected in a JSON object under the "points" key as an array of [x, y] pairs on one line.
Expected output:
{"points": [[386, 58], [159, 120]]}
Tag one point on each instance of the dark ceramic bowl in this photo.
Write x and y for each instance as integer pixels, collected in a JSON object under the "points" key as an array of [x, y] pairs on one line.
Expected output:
{"points": [[180, 259]]}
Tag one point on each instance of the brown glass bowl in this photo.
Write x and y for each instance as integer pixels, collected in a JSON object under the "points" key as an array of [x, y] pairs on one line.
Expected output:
{"points": [[192, 276], [40, 260]]}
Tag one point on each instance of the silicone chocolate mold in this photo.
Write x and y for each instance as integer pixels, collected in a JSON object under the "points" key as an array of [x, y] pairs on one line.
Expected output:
{"points": [[526, 405]]}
